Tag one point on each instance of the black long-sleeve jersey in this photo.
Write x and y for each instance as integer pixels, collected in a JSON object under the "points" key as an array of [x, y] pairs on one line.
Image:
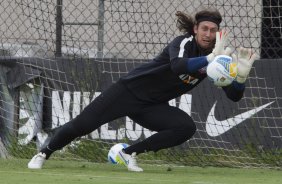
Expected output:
{"points": [[166, 76]]}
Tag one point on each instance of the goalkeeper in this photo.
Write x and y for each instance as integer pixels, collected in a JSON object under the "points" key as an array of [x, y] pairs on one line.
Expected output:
{"points": [[144, 93]]}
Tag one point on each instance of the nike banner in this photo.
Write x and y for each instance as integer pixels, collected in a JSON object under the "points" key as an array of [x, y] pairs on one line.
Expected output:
{"points": [[69, 85]]}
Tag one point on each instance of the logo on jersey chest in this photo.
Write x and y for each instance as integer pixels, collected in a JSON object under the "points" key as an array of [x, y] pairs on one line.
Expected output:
{"points": [[187, 79]]}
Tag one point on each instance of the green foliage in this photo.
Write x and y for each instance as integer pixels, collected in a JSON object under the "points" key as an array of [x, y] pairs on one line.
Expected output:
{"points": [[21, 151], [96, 151], [90, 150]]}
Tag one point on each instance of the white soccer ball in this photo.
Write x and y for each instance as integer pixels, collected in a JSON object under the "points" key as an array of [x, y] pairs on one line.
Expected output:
{"points": [[222, 71], [113, 152]]}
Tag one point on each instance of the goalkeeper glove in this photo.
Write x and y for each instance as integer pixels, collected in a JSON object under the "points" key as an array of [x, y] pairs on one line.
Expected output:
{"points": [[245, 60], [221, 39]]}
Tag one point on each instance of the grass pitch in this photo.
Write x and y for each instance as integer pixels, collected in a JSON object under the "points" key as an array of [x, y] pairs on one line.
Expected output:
{"points": [[73, 172]]}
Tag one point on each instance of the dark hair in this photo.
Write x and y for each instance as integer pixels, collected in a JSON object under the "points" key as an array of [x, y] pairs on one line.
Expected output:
{"points": [[208, 15], [185, 23]]}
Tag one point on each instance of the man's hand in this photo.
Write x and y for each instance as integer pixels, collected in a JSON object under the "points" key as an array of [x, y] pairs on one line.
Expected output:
{"points": [[245, 60], [221, 39]]}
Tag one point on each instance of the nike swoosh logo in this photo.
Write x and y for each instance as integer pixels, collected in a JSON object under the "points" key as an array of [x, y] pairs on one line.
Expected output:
{"points": [[215, 128]]}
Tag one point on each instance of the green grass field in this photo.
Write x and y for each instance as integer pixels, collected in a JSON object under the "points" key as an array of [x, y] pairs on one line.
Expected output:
{"points": [[14, 171]]}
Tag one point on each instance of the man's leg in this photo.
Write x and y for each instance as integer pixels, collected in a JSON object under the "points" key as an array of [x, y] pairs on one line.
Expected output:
{"points": [[173, 127]]}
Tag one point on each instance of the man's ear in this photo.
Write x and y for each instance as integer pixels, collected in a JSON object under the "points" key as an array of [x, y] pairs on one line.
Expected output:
{"points": [[195, 29]]}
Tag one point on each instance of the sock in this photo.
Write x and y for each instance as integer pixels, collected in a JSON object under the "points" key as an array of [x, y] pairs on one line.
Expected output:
{"points": [[47, 151]]}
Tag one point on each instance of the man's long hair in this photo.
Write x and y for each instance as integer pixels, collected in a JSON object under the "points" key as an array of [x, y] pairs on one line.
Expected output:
{"points": [[185, 23]]}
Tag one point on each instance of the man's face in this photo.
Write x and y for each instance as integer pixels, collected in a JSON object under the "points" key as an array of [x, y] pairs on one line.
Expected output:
{"points": [[205, 34]]}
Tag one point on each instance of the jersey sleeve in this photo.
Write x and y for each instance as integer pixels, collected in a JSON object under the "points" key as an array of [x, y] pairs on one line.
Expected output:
{"points": [[178, 51], [234, 91], [183, 56], [178, 48]]}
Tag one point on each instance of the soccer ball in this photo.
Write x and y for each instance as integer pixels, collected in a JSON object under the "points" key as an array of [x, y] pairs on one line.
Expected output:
{"points": [[113, 152], [222, 71]]}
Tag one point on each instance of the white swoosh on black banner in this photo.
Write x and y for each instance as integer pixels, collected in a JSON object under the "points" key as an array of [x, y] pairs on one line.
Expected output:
{"points": [[215, 128]]}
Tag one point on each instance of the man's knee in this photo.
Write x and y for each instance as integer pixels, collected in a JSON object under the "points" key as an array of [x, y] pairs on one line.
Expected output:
{"points": [[187, 130]]}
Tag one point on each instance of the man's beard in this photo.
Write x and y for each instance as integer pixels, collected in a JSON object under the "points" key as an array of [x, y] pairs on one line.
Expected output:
{"points": [[206, 51]]}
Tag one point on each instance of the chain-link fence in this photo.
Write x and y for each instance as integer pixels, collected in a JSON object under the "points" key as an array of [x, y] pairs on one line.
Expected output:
{"points": [[62, 49], [131, 29]]}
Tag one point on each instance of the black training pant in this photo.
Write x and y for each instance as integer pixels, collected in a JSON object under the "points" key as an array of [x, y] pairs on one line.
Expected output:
{"points": [[173, 126]]}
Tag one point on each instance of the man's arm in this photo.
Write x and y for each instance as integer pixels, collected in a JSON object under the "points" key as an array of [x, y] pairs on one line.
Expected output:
{"points": [[245, 60], [234, 91]]}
